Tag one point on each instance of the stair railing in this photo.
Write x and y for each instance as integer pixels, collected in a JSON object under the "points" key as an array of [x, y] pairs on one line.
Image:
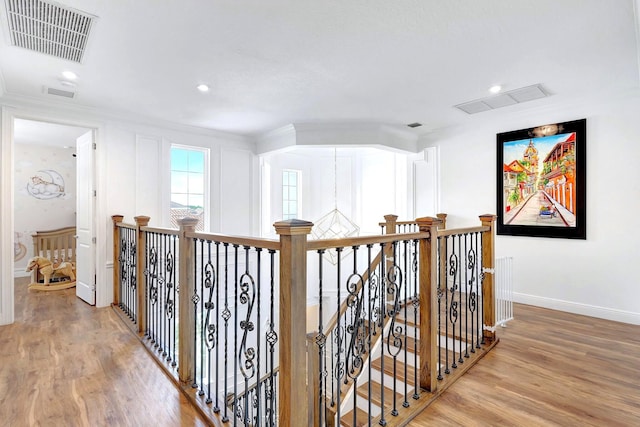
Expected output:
{"points": [[225, 316]]}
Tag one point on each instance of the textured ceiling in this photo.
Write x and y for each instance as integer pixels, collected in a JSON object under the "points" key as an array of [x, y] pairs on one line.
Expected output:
{"points": [[272, 63]]}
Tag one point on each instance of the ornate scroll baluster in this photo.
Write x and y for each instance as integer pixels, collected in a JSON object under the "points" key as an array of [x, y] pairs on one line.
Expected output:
{"points": [[471, 294], [247, 354], [396, 332], [209, 327], [272, 338], [355, 327], [453, 308]]}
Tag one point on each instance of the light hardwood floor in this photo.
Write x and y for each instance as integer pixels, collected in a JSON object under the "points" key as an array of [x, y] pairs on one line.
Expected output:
{"points": [[549, 369], [64, 363]]}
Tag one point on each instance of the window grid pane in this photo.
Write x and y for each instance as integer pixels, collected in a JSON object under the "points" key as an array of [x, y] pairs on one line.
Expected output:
{"points": [[290, 194], [187, 184]]}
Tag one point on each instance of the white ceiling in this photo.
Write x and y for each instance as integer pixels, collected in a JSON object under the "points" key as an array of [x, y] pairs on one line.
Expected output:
{"points": [[276, 62]]}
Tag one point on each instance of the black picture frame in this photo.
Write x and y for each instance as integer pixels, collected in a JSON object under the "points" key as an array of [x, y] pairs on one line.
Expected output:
{"points": [[543, 193]]}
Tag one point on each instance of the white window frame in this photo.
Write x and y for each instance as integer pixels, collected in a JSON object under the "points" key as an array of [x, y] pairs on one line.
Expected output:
{"points": [[206, 187], [298, 201]]}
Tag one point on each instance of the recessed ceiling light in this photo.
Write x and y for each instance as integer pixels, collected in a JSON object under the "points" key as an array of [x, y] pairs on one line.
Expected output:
{"points": [[67, 83], [203, 88], [414, 125], [495, 89], [69, 75]]}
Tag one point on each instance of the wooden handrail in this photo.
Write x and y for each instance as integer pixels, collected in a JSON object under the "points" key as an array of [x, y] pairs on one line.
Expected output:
{"points": [[271, 244], [161, 230], [467, 230], [314, 245], [125, 225]]}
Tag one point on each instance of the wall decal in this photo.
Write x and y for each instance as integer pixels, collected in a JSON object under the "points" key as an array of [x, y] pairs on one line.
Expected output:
{"points": [[46, 184]]}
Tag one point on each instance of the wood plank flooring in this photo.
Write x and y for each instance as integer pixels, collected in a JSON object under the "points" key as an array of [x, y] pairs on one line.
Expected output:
{"points": [[549, 369], [64, 363]]}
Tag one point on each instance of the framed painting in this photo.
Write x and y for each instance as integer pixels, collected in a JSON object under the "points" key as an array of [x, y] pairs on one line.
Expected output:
{"points": [[541, 177]]}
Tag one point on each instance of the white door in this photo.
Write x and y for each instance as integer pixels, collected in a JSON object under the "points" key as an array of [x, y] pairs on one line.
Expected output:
{"points": [[85, 227]]}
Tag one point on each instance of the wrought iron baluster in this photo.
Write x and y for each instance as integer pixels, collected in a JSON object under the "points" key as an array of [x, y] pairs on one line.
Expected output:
{"points": [[169, 301], [258, 335], [468, 291], [226, 315], [153, 289], [174, 361], [161, 279], [216, 408], [246, 354], [339, 338], [201, 333], [460, 307], [383, 315], [478, 282], [441, 244], [394, 339], [235, 327], [321, 340], [357, 344], [405, 256], [272, 339]]}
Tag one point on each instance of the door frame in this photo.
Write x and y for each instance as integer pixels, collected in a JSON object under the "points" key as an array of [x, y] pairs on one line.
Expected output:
{"points": [[45, 114]]}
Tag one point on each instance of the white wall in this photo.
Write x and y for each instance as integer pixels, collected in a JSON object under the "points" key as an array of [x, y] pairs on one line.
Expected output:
{"points": [[40, 212], [137, 163], [372, 182], [130, 178], [597, 276]]}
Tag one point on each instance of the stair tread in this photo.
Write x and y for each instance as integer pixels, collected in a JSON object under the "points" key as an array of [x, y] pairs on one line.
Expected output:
{"points": [[362, 418], [376, 393], [388, 369]]}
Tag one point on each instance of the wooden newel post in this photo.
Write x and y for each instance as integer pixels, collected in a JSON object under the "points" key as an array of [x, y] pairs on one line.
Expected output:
{"points": [[488, 283], [391, 220], [141, 250], [428, 283], [293, 410], [442, 217], [186, 279], [117, 219]]}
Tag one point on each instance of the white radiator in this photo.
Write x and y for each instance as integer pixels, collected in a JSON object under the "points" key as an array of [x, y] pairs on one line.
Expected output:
{"points": [[504, 290]]}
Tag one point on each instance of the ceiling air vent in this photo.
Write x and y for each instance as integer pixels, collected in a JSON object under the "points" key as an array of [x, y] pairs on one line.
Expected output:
{"points": [[48, 28], [60, 92], [503, 99]]}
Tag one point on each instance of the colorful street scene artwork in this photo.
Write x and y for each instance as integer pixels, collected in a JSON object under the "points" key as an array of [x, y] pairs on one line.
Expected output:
{"points": [[539, 181]]}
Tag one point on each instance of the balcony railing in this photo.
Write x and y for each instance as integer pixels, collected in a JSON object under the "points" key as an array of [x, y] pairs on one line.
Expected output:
{"points": [[268, 332]]}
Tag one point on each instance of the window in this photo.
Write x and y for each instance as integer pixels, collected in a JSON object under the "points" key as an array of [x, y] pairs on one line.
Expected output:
{"points": [[189, 170], [290, 194]]}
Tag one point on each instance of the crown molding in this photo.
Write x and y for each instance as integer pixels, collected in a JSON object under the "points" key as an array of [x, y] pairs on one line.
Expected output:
{"points": [[340, 134], [65, 109], [278, 139]]}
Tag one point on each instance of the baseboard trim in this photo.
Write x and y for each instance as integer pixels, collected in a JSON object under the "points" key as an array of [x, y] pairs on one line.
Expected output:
{"points": [[19, 272], [578, 308]]}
